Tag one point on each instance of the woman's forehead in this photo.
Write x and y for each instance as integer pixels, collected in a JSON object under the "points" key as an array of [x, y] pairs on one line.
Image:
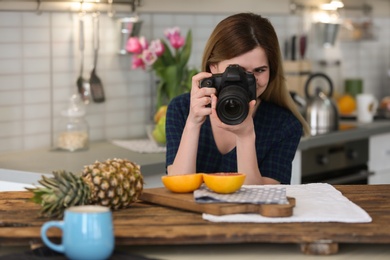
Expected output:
{"points": [[249, 61]]}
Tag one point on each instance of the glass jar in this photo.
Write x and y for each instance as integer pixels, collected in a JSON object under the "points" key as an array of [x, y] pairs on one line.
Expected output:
{"points": [[73, 132]]}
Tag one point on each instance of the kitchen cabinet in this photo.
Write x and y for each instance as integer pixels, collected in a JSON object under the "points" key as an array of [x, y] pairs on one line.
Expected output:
{"points": [[296, 175], [380, 177], [378, 135], [379, 161]]}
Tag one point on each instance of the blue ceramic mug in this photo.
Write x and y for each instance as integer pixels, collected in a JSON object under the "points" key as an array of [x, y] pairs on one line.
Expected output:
{"points": [[87, 233]]}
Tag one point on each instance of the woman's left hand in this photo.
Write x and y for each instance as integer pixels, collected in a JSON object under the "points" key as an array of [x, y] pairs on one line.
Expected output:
{"points": [[242, 129]]}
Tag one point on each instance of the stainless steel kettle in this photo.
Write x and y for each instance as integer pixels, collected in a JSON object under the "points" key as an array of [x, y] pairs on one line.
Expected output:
{"points": [[321, 111]]}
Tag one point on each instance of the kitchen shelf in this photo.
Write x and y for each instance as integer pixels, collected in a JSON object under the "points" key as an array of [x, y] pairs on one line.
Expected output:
{"points": [[68, 5], [307, 5], [280, 7], [77, 1]]}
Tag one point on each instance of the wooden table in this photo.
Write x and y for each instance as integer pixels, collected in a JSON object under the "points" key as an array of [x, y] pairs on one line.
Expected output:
{"points": [[149, 224]]}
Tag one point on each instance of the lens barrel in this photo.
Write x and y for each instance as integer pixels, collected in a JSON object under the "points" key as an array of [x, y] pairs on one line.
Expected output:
{"points": [[232, 106]]}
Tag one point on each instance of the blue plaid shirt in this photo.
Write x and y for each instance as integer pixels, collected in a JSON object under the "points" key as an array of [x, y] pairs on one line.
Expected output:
{"points": [[278, 133]]}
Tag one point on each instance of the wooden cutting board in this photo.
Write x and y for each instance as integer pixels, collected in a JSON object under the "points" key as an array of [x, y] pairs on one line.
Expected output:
{"points": [[186, 201]]}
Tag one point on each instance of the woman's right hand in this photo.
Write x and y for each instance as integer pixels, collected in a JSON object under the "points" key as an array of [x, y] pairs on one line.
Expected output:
{"points": [[200, 99], [185, 160]]}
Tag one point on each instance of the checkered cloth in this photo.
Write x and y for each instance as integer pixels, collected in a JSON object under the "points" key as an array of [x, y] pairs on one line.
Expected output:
{"points": [[254, 195]]}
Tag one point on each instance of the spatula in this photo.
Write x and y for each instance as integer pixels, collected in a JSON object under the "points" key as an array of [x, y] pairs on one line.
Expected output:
{"points": [[96, 85], [82, 84]]}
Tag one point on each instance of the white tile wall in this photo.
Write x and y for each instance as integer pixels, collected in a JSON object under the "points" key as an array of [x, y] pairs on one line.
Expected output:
{"points": [[39, 64]]}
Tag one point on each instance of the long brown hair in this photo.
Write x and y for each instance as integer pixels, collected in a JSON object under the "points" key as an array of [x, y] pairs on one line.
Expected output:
{"points": [[241, 33]]}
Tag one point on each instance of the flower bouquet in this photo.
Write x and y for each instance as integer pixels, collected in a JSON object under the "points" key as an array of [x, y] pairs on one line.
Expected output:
{"points": [[168, 60]]}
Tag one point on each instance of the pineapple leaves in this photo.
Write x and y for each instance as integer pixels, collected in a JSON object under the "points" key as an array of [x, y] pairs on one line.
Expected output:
{"points": [[121, 185], [63, 190], [38, 194]]}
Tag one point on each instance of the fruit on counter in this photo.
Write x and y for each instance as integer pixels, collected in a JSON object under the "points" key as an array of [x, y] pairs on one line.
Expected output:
{"points": [[346, 104], [115, 183], [385, 103], [159, 131], [162, 111], [224, 182], [182, 183]]}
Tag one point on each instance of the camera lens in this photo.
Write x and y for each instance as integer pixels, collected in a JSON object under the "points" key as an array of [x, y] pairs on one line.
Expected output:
{"points": [[232, 106]]}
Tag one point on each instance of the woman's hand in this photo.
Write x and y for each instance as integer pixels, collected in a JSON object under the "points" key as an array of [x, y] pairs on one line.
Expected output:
{"points": [[243, 129], [200, 99], [185, 160]]}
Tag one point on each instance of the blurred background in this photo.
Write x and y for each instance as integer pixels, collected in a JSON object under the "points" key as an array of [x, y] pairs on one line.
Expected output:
{"points": [[40, 56]]}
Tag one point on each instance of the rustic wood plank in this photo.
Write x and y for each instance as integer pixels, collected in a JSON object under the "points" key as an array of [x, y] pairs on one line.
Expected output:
{"points": [[148, 224]]}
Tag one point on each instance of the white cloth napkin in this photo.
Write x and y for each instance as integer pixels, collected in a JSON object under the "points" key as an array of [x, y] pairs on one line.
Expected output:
{"points": [[315, 202], [140, 145]]}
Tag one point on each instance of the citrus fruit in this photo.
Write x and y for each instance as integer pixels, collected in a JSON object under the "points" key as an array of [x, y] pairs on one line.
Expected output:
{"points": [[182, 183], [224, 182], [346, 104]]}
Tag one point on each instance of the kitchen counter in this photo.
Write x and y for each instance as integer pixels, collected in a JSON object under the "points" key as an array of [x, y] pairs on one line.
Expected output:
{"points": [[45, 161], [350, 130]]}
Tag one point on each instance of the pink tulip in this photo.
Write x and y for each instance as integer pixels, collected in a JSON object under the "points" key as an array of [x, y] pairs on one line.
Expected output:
{"points": [[143, 42], [133, 45], [137, 62], [145, 54], [157, 47], [149, 57], [171, 32], [177, 41], [174, 37]]}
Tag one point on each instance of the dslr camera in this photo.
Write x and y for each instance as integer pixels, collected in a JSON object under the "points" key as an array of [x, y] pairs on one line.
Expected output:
{"points": [[235, 89]]}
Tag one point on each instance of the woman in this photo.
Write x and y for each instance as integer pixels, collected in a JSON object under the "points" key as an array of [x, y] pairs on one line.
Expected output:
{"points": [[264, 144]]}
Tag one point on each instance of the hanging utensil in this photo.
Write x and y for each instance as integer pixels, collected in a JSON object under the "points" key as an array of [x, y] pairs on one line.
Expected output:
{"points": [[287, 49], [302, 46], [293, 47], [82, 84], [96, 85]]}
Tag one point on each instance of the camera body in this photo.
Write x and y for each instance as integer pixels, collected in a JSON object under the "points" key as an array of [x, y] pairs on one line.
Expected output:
{"points": [[235, 89]]}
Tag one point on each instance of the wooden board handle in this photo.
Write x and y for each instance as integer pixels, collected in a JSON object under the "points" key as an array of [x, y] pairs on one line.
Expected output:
{"points": [[280, 210]]}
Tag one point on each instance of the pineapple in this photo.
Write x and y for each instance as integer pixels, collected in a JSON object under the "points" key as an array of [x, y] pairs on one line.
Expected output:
{"points": [[114, 183]]}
